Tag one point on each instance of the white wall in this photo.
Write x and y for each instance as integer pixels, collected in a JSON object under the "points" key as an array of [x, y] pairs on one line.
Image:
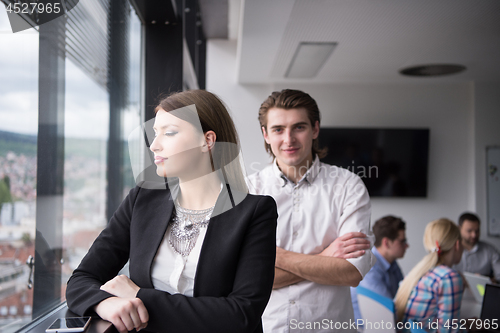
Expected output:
{"points": [[243, 101], [447, 109], [486, 133]]}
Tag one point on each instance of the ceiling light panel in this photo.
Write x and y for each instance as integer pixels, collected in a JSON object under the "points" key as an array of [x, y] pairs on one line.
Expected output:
{"points": [[308, 59]]}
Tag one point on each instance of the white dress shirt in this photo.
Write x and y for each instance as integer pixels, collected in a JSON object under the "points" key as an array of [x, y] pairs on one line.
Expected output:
{"points": [[326, 203]]}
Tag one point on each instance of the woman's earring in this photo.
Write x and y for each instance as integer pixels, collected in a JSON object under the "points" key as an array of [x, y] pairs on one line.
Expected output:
{"points": [[207, 146]]}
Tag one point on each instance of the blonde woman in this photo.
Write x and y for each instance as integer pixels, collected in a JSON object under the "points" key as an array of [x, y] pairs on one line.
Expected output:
{"points": [[432, 291]]}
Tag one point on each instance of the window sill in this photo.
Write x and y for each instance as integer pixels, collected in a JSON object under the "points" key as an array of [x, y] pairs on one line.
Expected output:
{"points": [[40, 324]]}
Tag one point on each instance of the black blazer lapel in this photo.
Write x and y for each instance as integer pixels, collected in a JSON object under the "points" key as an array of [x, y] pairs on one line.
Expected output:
{"points": [[146, 236], [218, 257]]}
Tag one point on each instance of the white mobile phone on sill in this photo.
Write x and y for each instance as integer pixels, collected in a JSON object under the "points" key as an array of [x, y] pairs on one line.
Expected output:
{"points": [[73, 324]]}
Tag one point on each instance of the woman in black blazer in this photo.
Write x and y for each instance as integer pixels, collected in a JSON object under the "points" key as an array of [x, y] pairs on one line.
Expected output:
{"points": [[216, 242]]}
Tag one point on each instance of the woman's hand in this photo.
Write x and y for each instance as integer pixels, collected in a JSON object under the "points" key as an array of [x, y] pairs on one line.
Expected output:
{"points": [[125, 313], [121, 286]]}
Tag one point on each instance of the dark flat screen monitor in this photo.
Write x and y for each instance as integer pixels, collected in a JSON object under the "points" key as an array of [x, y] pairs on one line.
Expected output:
{"points": [[490, 311], [391, 162]]}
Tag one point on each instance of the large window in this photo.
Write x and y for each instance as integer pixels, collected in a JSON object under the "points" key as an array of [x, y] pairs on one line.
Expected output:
{"points": [[86, 133], [64, 108], [18, 156]]}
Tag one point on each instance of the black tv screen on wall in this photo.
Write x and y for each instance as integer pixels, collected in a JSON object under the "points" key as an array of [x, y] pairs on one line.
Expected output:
{"points": [[391, 162]]}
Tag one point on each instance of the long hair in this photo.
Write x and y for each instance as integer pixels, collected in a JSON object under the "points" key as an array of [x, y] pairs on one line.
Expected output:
{"points": [[213, 116], [446, 234], [292, 99]]}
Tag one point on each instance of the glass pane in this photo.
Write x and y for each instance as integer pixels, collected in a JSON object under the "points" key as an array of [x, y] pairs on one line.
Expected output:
{"points": [[18, 155], [133, 112], [86, 127]]}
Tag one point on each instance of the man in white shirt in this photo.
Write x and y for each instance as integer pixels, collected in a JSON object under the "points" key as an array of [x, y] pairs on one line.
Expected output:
{"points": [[321, 208]]}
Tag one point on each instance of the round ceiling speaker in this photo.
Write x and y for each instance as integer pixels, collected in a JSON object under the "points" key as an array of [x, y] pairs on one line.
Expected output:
{"points": [[432, 70]]}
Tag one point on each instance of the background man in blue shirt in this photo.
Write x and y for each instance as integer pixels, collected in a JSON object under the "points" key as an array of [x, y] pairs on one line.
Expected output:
{"points": [[390, 244]]}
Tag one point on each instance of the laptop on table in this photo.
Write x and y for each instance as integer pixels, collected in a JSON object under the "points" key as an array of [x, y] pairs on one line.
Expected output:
{"points": [[477, 285], [490, 311]]}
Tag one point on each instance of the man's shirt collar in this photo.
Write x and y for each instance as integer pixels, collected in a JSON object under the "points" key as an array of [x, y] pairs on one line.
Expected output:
{"points": [[474, 248], [381, 259], [309, 176]]}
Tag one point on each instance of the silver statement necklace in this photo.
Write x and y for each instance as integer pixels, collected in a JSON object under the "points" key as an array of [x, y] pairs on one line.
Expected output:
{"points": [[186, 224]]}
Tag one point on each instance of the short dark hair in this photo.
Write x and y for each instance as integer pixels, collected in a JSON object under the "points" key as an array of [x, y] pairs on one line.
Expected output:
{"points": [[387, 226], [292, 99], [469, 217]]}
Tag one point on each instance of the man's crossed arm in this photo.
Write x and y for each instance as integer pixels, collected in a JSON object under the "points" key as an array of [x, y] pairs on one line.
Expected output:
{"points": [[328, 267]]}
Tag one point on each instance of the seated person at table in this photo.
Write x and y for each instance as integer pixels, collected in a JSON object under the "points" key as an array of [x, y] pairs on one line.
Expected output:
{"points": [[478, 257], [390, 244], [201, 249], [433, 290]]}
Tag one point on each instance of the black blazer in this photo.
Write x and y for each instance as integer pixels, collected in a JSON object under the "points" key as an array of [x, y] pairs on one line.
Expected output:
{"points": [[234, 276]]}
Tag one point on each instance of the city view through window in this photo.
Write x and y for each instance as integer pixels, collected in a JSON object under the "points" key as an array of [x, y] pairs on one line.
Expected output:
{"points": [[86, 138]]}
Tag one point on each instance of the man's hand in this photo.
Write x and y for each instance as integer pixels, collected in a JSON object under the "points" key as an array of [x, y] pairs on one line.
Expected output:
{"points": [[121, 286], [350, 245], [125, 313]]}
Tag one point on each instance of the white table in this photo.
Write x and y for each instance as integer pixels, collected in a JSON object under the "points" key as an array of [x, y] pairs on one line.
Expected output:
{"points": [[470, 307]]}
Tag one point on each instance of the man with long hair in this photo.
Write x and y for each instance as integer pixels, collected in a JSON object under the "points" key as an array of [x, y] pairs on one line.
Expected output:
{"points": [[324, 216]]}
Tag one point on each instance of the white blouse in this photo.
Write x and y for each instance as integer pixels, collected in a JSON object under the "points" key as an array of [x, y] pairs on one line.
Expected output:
{"points": [[171, 271]]}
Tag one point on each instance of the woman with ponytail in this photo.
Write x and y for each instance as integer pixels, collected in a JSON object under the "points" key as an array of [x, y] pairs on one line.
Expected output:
{"points": [[433, 290]]}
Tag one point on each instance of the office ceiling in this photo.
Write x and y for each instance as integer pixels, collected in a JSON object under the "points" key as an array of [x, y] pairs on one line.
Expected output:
{"points": [[376, 38], [214, 15]]}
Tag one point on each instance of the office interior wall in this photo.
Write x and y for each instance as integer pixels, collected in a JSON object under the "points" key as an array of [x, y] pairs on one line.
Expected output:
{"points": [[243, 101], [448, 109], [486, 133]]}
